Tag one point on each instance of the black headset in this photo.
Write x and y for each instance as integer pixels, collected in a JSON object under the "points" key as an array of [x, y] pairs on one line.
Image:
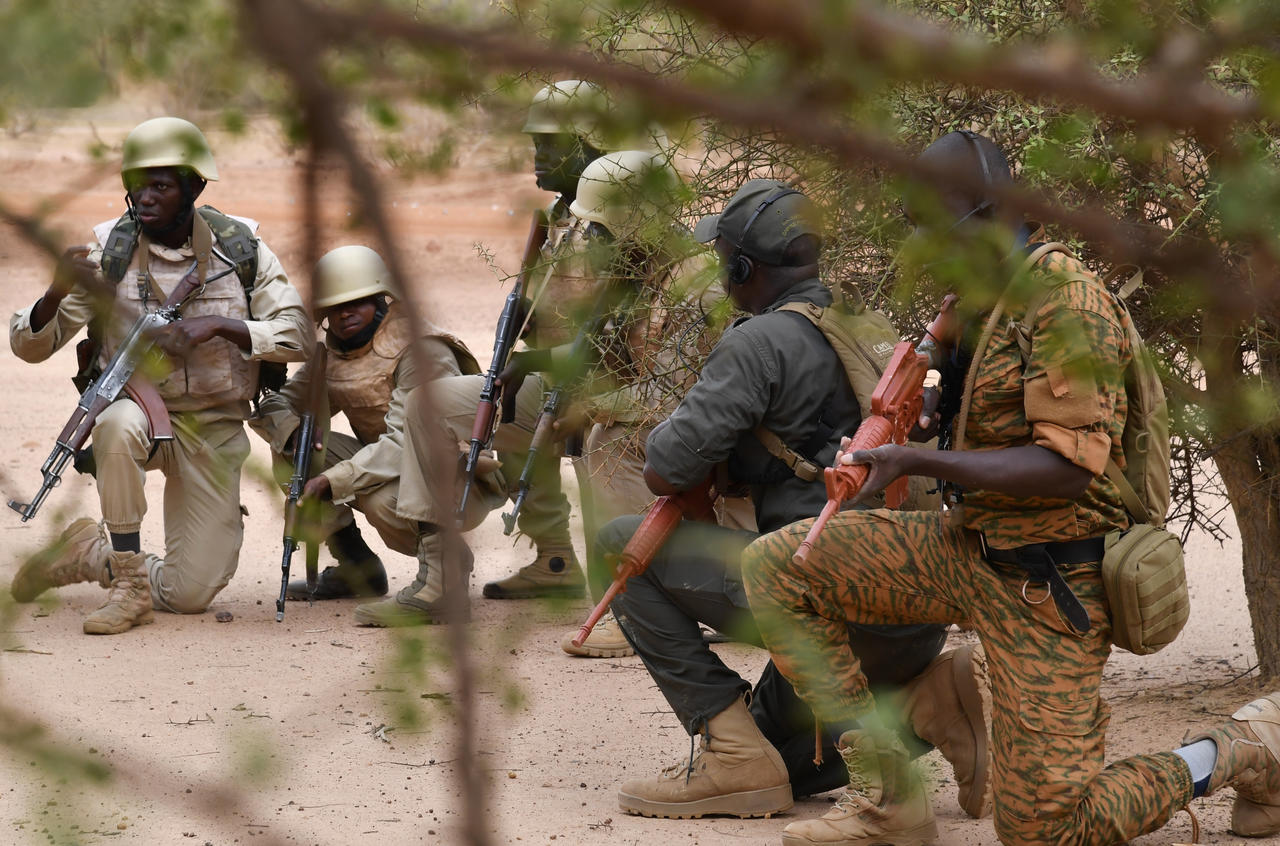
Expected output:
{"points": [[740, 266]]}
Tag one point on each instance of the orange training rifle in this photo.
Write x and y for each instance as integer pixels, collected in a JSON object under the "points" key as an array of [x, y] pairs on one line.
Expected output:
{"points": [[662, 519], [896, 404]]}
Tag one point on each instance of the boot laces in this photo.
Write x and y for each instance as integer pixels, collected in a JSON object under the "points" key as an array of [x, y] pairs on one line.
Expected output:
{"points": [[856, 796], [686, 768]]}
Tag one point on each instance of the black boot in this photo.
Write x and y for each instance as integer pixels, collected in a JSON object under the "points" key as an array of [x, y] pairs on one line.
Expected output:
{"points": [[359, 572]]}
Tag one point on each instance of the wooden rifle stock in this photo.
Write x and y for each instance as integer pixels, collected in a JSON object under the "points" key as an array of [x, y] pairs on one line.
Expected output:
{"points": [[896, 404], [663, 517], [507, 333]]}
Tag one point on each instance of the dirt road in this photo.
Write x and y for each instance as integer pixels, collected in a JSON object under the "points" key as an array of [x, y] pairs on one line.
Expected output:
{"points": [[315, 731]]}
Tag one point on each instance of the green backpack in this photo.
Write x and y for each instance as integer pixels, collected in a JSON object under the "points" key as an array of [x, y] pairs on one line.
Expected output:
{"points": [[863, 340]]}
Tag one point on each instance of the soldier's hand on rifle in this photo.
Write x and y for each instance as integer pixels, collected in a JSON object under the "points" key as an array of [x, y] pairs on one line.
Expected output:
{"points": [[317, 487], [887, 463], [926, 428], [486, 462], [291, 442], [74, 270], [572, 420], [513, 375], [180, 338]]}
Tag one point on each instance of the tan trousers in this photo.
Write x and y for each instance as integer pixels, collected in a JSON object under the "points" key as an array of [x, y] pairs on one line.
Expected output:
{"points": [[203, 528], [377, 505], [545, 515]]}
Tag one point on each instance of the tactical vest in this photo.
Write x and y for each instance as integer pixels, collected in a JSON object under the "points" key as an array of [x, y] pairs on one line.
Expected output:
{"points": [[236, 241], [215, 372], [361, 381]]}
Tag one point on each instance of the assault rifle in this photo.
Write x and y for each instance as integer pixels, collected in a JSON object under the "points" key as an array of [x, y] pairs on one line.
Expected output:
{"points": [[663, 517], [120, 375], [551, 407], [896, 404], [305, 444], [505, 337]]}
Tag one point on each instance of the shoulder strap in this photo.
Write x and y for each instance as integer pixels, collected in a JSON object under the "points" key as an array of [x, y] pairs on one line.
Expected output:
{"points": [[1133, 503], [237, 242], [119, 249], [1021, 329], [796, 463]]}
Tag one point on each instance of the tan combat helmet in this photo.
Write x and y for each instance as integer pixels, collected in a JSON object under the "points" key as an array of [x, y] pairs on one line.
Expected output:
{"points": [[349, 273], [570, 106], [627, 191], [168, 142]]}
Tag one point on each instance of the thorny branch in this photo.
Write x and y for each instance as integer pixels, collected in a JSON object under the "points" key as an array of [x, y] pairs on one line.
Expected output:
{"points": [[1185, 257]]}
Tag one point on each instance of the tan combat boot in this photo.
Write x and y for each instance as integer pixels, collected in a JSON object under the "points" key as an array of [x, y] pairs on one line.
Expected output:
{"points": [[605, 641], [946, 707], [78, 555], [554, 573], [736, 772], [423, 602], [1249, 761], [129, 602], [885, 802]]}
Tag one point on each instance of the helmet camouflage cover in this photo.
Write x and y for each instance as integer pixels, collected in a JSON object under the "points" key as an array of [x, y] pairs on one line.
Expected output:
{"points": [[168, 142], [349, 273], [627, 191]]}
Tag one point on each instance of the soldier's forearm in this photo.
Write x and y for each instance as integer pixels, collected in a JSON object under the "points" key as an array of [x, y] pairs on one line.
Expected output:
{"points": [[45, 309], [1024, 471], [236, 332]]}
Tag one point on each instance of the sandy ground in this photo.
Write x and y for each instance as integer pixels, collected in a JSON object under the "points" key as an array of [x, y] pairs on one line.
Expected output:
{"points": [[315, 731]]}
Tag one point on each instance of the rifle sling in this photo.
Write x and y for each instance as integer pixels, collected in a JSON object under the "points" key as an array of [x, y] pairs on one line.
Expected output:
{"points": [[796, 463]]}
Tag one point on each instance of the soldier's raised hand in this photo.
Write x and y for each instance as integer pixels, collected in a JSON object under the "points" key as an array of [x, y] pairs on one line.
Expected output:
{"points": [[74, 270]]}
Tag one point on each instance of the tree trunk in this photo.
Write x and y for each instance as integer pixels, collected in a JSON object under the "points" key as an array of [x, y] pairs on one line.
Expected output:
{"points": [[1250, 469]]}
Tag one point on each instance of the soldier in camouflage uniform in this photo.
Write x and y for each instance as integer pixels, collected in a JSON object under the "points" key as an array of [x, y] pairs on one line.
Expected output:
{"points": [[1042, 433], [369, 374], [775, 370], [228, 328], [562, 123]]}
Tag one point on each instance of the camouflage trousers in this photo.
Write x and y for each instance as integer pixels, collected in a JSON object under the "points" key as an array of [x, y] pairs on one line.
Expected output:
{"points": [[1048, 720]]}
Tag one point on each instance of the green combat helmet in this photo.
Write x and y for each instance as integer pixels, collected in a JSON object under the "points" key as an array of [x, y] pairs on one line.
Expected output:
{"points": [[168, 142], [349, 273], [570, 106], [627, 191]]}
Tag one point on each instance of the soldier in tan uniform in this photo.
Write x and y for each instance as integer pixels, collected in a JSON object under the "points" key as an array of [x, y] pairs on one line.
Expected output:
{"points": [[227, 329], [562, 122], [369, 375]]}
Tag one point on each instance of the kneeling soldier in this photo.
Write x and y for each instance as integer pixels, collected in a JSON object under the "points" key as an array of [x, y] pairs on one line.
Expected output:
{"points": [[370, 372], [228, 327]]}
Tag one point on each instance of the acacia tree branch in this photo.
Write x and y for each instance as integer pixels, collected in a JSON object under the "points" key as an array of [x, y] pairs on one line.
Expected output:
{"points": [[1185, 257], [1172, 94]]}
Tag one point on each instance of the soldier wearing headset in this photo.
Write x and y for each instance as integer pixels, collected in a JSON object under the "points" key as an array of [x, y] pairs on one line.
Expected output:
{"points": [[772, 370]]}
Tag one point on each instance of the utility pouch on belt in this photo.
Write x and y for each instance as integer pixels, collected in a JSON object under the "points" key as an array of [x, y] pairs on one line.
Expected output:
{"points": [[1146, 586]]}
